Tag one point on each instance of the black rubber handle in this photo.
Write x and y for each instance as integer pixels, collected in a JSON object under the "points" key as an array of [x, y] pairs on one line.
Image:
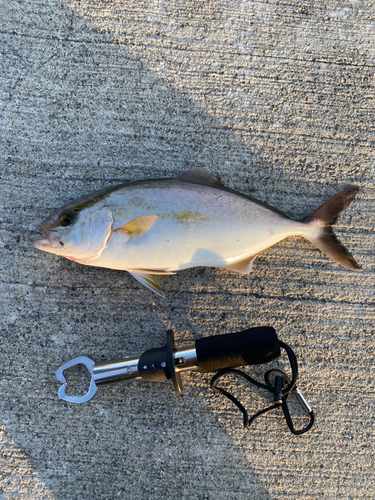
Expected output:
{"points": [[250, 347]]}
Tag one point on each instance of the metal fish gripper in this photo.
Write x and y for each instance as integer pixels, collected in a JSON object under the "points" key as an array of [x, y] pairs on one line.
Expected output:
{"points": [[209, 354]]}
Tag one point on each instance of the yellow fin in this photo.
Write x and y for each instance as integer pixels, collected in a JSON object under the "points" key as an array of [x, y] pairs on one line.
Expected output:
{"points": [[138, 227], [151, 271], [243, 266], [147, 280]]}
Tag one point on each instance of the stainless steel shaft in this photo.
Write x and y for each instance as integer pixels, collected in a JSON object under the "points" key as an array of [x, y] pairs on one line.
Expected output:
{"points": [[125, 370]]}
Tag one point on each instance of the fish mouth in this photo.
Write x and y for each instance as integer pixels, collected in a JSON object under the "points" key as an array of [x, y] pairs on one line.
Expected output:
{"points": [[51, 240]]}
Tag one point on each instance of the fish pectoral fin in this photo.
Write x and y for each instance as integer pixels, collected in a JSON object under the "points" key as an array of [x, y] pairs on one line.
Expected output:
{"points": [[199, 176], [243, 266], [138, 227], [148, 280]]}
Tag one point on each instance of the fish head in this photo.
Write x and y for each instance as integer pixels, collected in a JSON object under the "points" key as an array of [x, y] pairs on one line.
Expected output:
{"points": [[76, 233]]}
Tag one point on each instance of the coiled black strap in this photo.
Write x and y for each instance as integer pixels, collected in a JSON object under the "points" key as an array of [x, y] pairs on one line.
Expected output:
{"points": [[282, 388]]}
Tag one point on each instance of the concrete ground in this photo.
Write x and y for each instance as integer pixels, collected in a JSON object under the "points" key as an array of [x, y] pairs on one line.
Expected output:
{"points": [[277, 100]]}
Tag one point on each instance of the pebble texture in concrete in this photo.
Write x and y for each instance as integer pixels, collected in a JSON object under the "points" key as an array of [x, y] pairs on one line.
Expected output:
{"points": [[277, 100]]}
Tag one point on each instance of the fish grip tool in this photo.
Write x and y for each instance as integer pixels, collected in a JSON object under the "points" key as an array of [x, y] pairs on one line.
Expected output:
{"points": [[219, 352]]}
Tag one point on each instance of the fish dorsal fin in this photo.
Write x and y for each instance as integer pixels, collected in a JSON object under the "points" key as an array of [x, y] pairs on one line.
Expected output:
{"points": [[199, 176], [147, 280], [243, 266], [138, 227]]}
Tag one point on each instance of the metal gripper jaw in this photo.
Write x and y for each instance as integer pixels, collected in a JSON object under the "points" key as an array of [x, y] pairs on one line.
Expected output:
{"points": [[80, 360]]}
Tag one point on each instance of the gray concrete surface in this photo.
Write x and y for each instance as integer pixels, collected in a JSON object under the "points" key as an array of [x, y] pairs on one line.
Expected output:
{"points": [[277, 100]]}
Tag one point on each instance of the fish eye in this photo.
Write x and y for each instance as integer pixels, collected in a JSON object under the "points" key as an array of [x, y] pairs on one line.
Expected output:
{"points": [[67, 218]]}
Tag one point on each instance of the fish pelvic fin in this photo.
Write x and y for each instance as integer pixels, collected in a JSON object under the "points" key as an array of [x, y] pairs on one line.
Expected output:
{"points": [[322, 219], [153, 271], [148, 280]]}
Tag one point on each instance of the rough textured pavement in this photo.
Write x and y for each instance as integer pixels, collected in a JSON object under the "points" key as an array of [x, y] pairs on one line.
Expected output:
{"points": [[277, 100]]}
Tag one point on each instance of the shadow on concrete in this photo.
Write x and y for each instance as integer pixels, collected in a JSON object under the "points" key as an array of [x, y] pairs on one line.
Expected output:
{"points": [[104, 93]]}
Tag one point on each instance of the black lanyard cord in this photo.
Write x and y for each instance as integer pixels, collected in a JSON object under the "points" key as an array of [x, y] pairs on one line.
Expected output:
{"points": [[282, 388]]}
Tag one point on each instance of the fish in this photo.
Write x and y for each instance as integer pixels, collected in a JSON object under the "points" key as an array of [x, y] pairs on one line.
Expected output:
{"points": [[161, 226]]}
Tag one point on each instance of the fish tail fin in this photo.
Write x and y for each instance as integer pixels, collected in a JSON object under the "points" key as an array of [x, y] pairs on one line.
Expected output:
{"points": [[322, 235]]}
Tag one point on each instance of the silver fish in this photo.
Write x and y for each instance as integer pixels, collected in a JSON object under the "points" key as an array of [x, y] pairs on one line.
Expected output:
{"points": [[160, 226]]}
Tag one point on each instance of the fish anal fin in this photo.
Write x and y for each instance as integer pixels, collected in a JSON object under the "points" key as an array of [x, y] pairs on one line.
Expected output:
{"points": [[148, 280], [138, 227], [200, 176], [243, 266]]}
